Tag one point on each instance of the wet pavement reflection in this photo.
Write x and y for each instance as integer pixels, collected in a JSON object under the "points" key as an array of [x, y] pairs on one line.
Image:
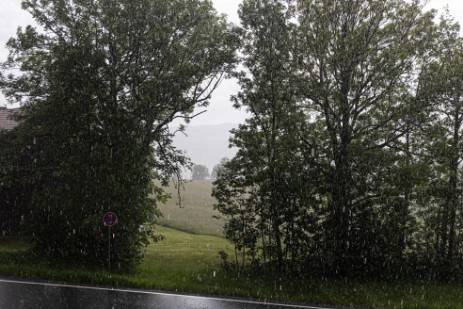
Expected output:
{"points": [[24, 295]]}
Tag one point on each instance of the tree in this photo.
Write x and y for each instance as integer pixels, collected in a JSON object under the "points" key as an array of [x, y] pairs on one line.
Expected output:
{"points": [[99, 88], [237, 200], [330, 160], [265, 190], [218, 167], [442, 87], [200, 172], [357, 62]]}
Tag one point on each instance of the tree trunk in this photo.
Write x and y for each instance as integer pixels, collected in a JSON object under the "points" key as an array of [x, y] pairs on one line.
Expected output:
{"points": [[342, 193]]}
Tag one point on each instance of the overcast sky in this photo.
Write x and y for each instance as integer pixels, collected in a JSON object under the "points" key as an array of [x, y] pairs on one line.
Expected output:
{"points": [[220, 110]]}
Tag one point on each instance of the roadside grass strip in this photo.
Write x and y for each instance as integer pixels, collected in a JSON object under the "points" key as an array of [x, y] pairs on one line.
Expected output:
{"points": [[190, 263]]}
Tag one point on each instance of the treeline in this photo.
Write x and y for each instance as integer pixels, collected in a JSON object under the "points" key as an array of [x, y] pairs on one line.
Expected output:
{"points": [[350, 160]]}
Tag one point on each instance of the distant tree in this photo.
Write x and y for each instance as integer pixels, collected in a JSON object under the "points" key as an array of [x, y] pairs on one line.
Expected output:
{"points": [[218, 167], [199, 172], [99, 87]]}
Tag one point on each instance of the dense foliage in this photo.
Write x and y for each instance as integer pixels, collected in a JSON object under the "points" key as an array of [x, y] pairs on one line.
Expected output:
{"points": [[13, 197], [350, 162], [99, 86]]}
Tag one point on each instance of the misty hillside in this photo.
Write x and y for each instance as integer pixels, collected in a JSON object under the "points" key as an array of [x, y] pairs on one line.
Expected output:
{"points": [[206, 144]]}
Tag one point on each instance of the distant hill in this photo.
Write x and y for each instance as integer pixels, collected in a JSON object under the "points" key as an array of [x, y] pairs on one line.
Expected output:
{"points": [[206, 144]]}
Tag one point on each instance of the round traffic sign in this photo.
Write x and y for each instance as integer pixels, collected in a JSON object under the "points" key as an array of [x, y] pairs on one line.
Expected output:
{"points": [[109, 219]]}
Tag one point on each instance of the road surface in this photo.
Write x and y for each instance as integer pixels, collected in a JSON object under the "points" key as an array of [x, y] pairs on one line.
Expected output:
{"points": [[24, 295]]}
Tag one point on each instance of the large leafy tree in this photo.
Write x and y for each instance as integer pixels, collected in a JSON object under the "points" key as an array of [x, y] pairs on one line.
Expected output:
{"points": [[442, 88], [99, 86], [331, 148], [358, 61], [265, 190]]}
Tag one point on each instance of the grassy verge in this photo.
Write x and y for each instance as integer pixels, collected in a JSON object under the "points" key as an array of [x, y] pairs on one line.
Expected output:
{"points": [[190, 263]]}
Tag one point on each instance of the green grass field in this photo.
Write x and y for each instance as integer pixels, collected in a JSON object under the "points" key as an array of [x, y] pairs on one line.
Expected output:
{"points": [[189, 262], [196, 214]]}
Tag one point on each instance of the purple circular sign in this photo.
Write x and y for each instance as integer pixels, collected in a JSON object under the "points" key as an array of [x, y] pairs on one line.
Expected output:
{"points": [[109, 219]]}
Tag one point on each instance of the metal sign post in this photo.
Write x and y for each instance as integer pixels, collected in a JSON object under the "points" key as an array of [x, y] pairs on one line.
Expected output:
{"points": [[109, 249], [109, 219]]}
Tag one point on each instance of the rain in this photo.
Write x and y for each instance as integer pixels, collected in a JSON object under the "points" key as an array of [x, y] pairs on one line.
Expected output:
{"points": [[231, 154]]}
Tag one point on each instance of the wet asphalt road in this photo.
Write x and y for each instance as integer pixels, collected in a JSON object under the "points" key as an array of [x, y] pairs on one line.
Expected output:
{"points": [[33, 295]]}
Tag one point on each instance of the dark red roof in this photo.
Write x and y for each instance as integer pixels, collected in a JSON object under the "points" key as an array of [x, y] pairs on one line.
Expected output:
{"points": [[5, 118]]}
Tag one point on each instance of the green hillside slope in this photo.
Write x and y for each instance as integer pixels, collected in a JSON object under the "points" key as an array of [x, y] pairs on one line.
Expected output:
{"points": [[196, 214]]}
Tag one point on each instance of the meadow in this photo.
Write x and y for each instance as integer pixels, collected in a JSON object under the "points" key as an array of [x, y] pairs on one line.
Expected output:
{"points": [[189, 262], [195, 214]]}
